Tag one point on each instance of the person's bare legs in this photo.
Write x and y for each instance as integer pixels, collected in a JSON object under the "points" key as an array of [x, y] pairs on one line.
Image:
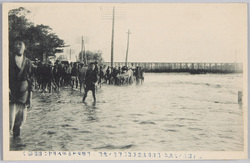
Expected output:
{"points": [[85, 95], [12, 115], [20, 118], [94, 97]]}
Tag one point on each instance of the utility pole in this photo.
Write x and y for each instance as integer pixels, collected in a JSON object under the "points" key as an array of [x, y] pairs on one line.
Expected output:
{"points": [[85, 61], [82, 50], [70, 54], [112, 40], [116, 16], [126, 64]]}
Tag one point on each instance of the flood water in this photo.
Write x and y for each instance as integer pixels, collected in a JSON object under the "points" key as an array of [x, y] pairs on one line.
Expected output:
{"points": [[169, 112]]}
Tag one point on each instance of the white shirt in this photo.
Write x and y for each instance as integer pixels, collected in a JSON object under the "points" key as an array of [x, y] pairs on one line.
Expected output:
{"points": [[19, 61]]}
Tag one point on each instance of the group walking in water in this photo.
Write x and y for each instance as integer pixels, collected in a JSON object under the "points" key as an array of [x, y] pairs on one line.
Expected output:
{"points": [[26, 77], [52, 77]]}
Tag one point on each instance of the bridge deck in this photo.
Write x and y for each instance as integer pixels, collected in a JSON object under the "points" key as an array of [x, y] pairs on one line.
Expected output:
{"points": [[184, 67]]}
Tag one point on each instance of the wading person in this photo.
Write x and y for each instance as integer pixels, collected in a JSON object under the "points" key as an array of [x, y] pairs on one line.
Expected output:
{"points": [[137, 75], [68, 74], [74, 74], [82, 74], [141, 75], [20, 86], [57, 73], [90, 82], [49, 76], [108, 75], [101, 76]]}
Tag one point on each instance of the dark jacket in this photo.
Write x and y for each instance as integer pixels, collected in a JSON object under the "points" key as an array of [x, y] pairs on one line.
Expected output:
{"points": [[91, 78], [20, 80], [74, 71]]}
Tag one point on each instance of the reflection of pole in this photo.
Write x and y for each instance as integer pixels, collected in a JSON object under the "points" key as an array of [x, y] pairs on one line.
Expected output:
{"points": [[126, 64], [112, 41]]}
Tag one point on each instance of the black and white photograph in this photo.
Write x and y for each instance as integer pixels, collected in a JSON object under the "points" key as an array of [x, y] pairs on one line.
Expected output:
{"points": [[124, 81]]}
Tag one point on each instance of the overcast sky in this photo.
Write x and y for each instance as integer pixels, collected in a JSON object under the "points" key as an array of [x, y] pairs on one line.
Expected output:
{"points": [[159, 32]]}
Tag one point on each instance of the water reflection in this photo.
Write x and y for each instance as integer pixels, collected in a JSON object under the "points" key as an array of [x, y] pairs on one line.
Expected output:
{"points": [[17, 143], [90, 112]]}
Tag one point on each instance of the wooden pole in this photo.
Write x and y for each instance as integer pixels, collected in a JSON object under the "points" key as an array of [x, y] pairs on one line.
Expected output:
{"points": [[82, 50], [112, 40], [86, 60], [70, 54], [126, 64]]}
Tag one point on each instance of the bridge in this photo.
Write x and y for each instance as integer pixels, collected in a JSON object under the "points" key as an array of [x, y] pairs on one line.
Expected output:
{"points": [[183, 67]]}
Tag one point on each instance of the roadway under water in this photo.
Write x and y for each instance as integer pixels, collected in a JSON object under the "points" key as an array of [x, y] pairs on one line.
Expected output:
{"points": [[169, 112]]}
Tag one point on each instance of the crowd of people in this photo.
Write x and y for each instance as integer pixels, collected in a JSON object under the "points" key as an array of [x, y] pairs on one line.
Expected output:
{"points": [[26, 77], [52, 77]]}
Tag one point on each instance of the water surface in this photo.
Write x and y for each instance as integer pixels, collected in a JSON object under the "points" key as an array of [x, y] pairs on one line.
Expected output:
{"points": [[169, 112]]}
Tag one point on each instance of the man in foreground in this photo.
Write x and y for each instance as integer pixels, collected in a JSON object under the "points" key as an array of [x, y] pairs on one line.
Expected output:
{"points": [[21, 86], [90, 81]]}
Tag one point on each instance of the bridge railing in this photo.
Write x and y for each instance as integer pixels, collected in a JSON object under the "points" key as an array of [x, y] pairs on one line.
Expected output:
{"points": [[183, 67]]}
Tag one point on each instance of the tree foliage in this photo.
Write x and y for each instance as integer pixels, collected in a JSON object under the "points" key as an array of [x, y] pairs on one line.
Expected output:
{"points": [[39, 39], [91, 56]]}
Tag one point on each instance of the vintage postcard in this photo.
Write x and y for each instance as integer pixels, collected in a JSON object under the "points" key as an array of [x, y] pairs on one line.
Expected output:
{"points": [[124, 81]]}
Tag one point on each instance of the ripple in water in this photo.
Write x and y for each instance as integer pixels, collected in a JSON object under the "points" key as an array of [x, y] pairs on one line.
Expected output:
{"points": [[113, 147], [171, 112], [147, 122]]}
